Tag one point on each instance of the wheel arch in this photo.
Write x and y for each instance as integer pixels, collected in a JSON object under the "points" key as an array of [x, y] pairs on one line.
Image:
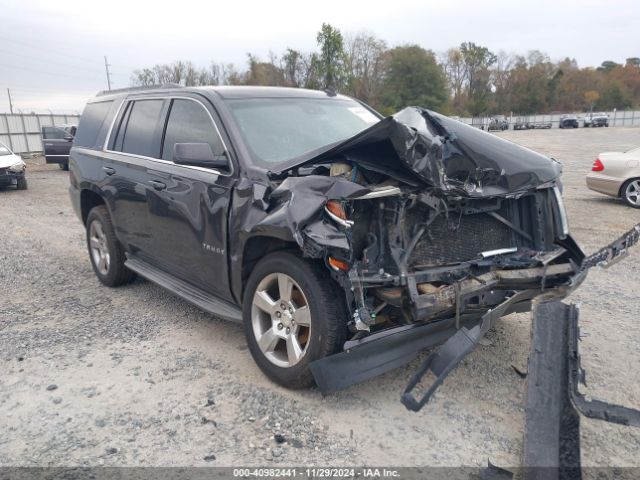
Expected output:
{"points": [[624, 185], [88, 200], [255, 248]]}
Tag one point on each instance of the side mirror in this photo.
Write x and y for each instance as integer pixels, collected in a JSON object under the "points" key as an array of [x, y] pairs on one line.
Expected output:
{"points": [[198, 155], [68, 138]]}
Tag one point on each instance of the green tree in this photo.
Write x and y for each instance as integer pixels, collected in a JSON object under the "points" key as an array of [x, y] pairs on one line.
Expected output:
{"points": [[263, 73], [330, 62], [413, 77], [607, 66]]}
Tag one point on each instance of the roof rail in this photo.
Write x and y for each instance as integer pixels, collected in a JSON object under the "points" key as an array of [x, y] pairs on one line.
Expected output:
{"points": [[137, 89]]}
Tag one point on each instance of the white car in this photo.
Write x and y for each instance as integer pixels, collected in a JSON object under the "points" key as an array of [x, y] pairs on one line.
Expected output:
{"points": [[617, 174], [12, 169]]}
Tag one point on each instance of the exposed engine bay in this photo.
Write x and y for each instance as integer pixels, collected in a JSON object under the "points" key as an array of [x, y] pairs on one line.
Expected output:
{"points": [[421, 218], [415, 257]]}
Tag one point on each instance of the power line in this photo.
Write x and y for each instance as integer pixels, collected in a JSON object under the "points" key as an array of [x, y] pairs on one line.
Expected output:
{"points": [[40, 48], [48, 60], [47, 73], [56, 51]]}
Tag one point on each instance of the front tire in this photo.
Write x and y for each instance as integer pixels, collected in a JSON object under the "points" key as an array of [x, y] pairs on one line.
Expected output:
{"points": [[64, 166], [630, 192], [105, 251], [21, 183], [293, 314]]}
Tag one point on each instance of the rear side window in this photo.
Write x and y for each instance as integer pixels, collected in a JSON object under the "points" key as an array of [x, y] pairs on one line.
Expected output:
{"points": [[91, 122], [138, 133], [189, 122]]}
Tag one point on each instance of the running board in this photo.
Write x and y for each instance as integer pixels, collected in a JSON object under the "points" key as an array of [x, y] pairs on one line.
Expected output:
{"points": [[188, 292]]}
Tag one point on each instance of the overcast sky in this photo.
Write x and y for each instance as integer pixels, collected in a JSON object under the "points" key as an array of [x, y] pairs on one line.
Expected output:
{"points": [[52, 53]]}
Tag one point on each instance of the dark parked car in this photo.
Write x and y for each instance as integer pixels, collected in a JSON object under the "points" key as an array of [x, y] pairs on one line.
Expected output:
{"points": [[499, 122], [568, 121], [345, 242], [57, 143], [522, 123], [598, 119], [12, 169]]}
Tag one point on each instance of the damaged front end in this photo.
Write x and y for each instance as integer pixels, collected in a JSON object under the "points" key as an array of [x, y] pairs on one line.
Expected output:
{"points": [[434, 230]]}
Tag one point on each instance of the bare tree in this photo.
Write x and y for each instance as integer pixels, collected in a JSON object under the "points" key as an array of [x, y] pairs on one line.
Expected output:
{"points": [[454, 69], [364, 58]]}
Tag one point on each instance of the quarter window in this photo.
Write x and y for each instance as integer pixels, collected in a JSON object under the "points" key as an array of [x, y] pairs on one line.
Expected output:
{"points": [[91, 123], [189, 122], [140, 129]]}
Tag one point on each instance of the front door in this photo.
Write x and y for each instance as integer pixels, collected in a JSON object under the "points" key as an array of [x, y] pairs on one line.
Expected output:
{"points": [[189, 205], [56, 143]]}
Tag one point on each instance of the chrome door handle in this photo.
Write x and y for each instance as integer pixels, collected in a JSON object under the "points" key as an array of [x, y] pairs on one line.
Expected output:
{"points": [[109, 170], [157, 185]]}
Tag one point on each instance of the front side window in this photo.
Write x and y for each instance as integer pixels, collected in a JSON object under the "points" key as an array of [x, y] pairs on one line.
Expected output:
{"points": [[53, 133], [139, 129], [280, 129], [189, 122]]}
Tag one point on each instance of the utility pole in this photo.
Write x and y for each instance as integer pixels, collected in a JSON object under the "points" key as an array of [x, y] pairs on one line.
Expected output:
{"points": [[106, 67], [10, 103]]}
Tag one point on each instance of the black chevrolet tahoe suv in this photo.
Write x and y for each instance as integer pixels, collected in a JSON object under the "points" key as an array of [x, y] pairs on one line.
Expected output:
{"points": [[344, 241]]}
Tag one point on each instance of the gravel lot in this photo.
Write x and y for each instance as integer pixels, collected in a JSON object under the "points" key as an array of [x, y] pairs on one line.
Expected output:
{"points": [[135, 376]]}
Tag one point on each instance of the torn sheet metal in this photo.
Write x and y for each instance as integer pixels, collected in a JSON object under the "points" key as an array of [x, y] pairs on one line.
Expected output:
{"points": [[418, 146], [442, 361]]}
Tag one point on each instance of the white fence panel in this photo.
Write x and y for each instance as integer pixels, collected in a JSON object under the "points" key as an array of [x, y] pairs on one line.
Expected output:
{"points": [[21, 133]]}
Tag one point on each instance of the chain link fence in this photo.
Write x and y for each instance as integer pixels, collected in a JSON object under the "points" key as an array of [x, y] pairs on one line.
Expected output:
{"points": [[617, 118]]}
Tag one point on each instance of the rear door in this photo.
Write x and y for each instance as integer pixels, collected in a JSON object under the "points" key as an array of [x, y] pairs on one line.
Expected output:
{"points": [[133, 148], [189, 205], [56, 143]]}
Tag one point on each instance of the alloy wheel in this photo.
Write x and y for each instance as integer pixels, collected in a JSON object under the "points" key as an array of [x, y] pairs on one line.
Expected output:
{"points": [[281, 320], [632, 192], [99, 247]]}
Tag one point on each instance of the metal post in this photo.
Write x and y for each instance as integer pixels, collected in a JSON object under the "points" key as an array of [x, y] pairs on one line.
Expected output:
{"points": [[24, 132], [10, 102], [40, 132], [106, 67], [6, 122]]}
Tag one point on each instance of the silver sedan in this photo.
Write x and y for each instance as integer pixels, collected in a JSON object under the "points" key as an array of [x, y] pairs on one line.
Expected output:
{"points": [[617, 174]]}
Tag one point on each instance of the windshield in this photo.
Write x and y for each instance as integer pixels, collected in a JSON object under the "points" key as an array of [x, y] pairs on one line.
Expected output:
{"points": [[4, 150], [280, 129]]}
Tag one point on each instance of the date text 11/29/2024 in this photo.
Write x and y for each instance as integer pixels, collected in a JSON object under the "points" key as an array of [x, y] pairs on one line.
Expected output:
{"points": [[315, 472]]}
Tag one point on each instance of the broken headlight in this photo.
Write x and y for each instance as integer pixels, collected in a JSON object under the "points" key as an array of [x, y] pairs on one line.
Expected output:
{"points": [[338, 213]]}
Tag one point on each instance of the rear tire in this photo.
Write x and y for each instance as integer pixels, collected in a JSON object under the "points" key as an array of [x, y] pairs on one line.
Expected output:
{"points": [[21, 183], [105, 251], [312, 324], [630, 192]]}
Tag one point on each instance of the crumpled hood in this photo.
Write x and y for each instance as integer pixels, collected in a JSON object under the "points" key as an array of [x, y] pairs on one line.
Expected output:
{"points": [[418, 147]]}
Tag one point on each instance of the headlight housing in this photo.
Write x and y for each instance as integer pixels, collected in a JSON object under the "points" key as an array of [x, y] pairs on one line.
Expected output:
{"points": [[17, 167]]}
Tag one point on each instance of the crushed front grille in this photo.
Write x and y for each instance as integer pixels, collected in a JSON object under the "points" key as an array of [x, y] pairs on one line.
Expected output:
{"points": [[460, 239]]}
